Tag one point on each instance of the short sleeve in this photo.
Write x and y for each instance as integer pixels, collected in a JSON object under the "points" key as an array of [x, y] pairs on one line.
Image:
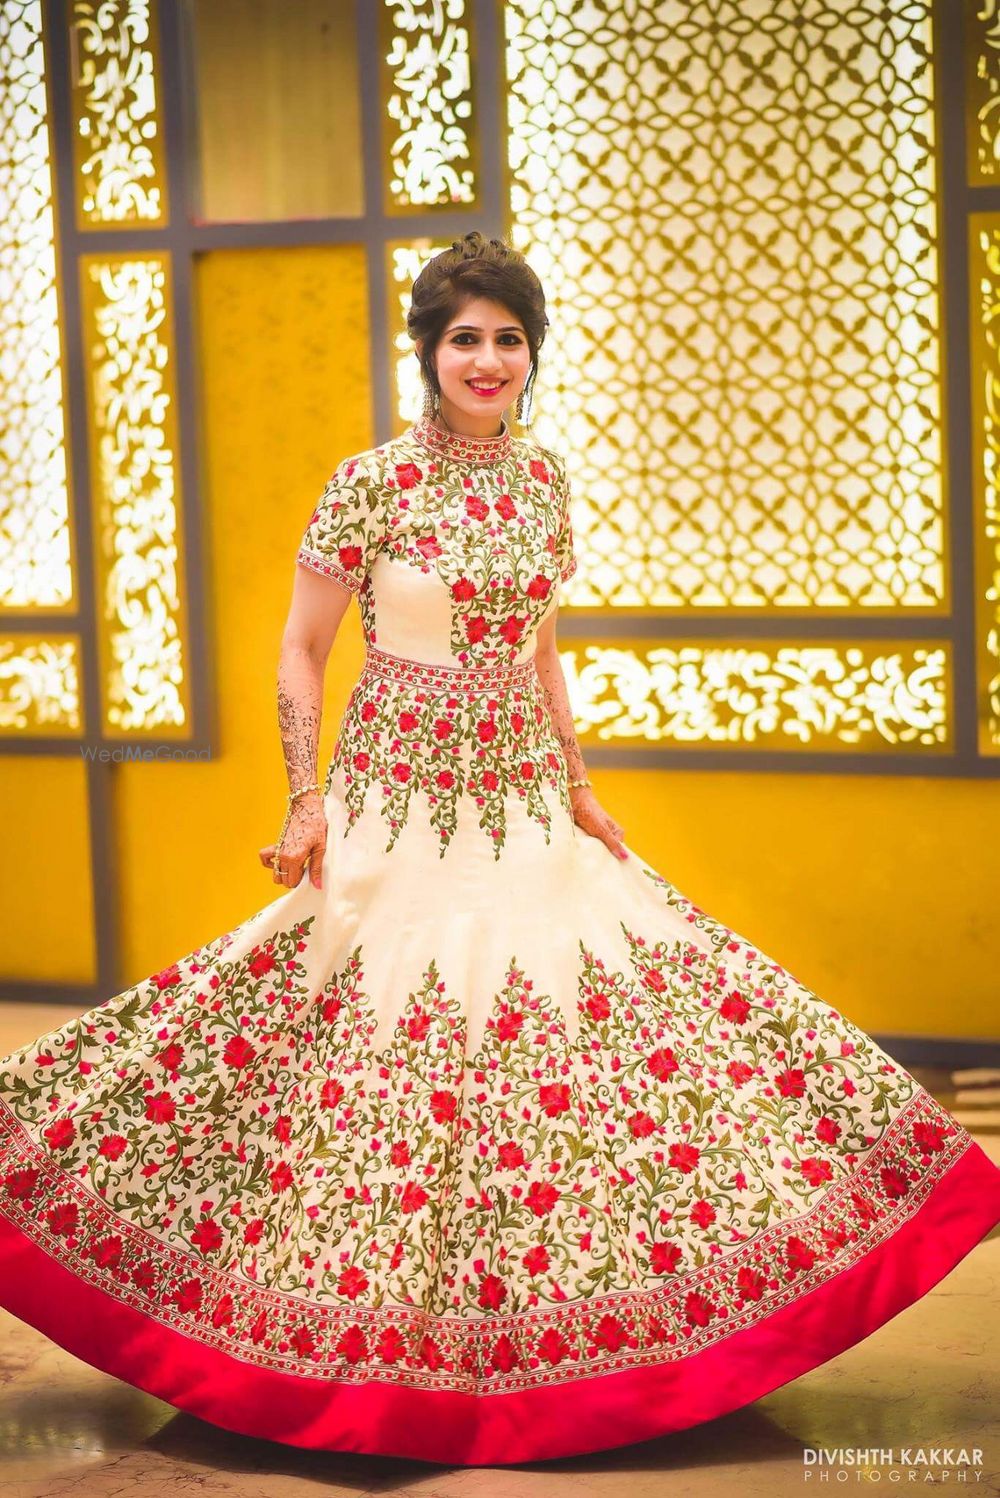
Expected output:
{"points": [[346, 529], [565, 550]]}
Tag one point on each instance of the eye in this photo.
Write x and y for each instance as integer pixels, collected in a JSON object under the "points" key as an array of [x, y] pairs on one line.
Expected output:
{"points": [[512, 336]]}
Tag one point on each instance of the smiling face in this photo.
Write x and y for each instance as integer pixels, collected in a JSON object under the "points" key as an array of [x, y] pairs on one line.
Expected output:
{"points": [[483, 344]]}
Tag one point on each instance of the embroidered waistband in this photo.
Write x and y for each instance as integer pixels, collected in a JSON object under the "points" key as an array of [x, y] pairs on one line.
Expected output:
{"points": [[448, 678]]}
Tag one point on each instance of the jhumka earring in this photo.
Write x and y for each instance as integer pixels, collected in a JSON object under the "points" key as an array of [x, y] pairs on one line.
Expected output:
{"points": [[523, 408], [430, 400]]}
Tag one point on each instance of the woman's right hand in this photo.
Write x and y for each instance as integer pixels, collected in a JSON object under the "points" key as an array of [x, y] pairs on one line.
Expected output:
{"points": [[304, 844]]}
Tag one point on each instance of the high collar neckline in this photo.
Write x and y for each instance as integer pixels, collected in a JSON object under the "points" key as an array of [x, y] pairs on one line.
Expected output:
{"points": [[458, 448]]}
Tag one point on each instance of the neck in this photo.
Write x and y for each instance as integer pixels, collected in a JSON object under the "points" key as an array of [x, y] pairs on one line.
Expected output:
{"points": [[451, 418]]}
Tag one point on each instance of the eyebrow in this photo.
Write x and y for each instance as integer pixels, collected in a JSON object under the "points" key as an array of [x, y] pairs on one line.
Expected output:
{"points": [[512, 327]]}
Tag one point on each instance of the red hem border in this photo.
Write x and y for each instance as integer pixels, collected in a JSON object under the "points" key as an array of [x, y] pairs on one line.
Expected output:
{"points": [[596, 1413]]}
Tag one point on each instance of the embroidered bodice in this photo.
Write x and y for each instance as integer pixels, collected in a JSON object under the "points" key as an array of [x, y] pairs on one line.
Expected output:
{"points": [[455, 548]]}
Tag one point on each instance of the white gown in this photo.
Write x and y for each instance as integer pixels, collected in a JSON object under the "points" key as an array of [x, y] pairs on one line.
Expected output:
{"points": [[495, 1147]]}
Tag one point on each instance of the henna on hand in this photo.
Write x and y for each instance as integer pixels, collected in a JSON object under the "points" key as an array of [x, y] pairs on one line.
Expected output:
{"points": [[553, 682], [588, 813], [302, 842], [300, 712]]}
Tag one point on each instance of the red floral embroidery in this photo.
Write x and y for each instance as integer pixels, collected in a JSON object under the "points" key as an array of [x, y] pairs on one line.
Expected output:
{"points": [[223, 1148], [444, 735], [489, 518]]}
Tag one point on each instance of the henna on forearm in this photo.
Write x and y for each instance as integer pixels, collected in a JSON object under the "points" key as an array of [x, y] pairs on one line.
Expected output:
{"points": [[550, 673], [300, 712]]}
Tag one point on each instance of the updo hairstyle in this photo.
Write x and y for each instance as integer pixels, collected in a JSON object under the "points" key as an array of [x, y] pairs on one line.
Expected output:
{"points": [[476, 267]]}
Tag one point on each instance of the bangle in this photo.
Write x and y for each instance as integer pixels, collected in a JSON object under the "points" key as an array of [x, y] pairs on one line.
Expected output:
{"points": [[302, 791], [288, 817], [572, 783]]}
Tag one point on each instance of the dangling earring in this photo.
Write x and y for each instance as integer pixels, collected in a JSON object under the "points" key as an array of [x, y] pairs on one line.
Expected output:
{"points": [[430, 400], [523, 407]]}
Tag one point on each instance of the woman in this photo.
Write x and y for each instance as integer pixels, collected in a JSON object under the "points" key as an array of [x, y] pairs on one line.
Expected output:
{"points": [[482, 1143]]}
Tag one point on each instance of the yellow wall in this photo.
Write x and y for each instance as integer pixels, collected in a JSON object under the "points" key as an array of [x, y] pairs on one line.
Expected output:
{"points": [[284, 369], [46, 894], [878, 893]]}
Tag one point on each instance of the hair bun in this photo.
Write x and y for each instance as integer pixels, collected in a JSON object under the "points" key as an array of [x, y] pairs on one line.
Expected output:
{"points": [[472, 244]]}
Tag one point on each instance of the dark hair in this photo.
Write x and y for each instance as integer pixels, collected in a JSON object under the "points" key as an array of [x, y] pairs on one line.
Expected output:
{"points": [[473, 267]]}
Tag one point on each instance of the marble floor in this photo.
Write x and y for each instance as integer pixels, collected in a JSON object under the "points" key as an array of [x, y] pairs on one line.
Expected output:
{"points": [[930, 1378]]}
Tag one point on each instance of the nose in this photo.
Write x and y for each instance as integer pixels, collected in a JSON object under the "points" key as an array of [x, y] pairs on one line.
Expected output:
{"points": [[488, 365]]}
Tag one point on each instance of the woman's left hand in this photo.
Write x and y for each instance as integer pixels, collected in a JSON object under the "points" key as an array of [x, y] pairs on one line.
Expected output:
{"points": [[589, 814]]}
